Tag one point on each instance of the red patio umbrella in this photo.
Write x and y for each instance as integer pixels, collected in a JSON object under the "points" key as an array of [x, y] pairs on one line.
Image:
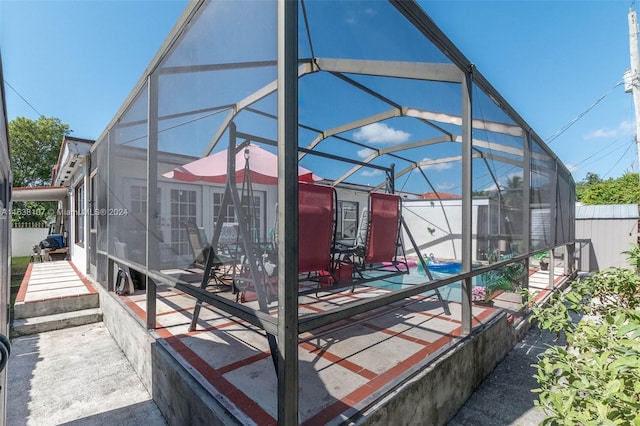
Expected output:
{"points": [[262, 163]]}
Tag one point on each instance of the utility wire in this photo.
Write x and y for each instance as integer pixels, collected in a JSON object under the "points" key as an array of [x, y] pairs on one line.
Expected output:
{"points": [[617, 162], [612, 147], [22, 97], [582, 114]]}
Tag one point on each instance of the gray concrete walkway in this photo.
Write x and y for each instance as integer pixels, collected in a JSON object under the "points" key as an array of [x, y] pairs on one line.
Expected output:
{"points": [[75, 376], [505, 397]]}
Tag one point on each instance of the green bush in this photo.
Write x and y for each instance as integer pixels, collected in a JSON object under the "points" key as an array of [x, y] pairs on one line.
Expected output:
{"points": [[595, 378], [508, 277], [633, 256]]}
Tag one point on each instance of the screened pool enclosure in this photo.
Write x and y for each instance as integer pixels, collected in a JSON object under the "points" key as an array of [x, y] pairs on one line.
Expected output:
{"points": [[360, 97]]}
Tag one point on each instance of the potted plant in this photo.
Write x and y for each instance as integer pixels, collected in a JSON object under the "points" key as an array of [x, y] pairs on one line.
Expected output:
{"points": [[480, 295], [543, 258]]}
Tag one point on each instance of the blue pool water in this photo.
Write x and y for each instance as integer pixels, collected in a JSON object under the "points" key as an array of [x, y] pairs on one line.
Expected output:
{"points": [[442, 267], [439, 270]]}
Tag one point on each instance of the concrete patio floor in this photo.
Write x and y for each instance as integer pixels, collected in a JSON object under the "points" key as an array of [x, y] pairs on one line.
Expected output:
{"points": [[344, 369]]}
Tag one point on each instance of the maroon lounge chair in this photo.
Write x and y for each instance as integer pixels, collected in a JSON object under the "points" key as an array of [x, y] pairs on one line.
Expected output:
{"points": [[384, 229], [379, 247], [316, 235], [316, 227]]}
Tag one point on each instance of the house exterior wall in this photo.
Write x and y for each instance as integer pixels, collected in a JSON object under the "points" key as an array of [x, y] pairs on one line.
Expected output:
{"points": [[78, 247], [128, 203], [600, 242]]}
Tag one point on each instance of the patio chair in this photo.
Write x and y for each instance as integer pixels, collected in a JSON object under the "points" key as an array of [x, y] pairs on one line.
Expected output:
{"points": [[350, 245], [228, 242], [383, 230], [378, 245], [316, 227], [377, 242], [200, 249], [230, 246], [316, 236], [198, 243]]}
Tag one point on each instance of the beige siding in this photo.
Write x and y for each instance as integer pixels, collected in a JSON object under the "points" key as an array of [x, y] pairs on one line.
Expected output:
{"points": [[600, 242]]}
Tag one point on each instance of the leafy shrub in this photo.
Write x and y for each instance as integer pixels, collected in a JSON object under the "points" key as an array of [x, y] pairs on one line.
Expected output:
{"points": [[595, 378], [499, 284], [506, 278], [633, 256], [541, 255]]}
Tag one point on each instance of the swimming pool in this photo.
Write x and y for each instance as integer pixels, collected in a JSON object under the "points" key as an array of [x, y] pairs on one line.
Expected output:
{"points": [[442, 267], [438, 270]]}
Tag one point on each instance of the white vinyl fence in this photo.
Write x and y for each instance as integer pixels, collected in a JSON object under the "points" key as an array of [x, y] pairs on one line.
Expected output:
{"points": [[23, 239]]}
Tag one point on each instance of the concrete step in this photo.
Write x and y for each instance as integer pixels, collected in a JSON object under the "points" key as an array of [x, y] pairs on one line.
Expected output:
{"points": [[32, 309], [33, 325]]}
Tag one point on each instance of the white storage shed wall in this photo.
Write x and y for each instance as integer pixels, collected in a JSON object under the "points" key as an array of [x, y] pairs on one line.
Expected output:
{"points": [[603, 232]]}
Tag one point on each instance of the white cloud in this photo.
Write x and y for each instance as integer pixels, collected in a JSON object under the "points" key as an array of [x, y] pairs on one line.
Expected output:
{"points": [[601, 134], [571, 168], [380, 133], [367, 12], [628, 127], [438, 166], [491, 188], [374, 172], [624, 128], [365, 152]]}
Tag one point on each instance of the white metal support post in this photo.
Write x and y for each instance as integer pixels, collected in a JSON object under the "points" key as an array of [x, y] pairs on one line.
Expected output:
{"points": [[526, 206], [467, 188], [152, 244], [635, 75], [553, 216]]}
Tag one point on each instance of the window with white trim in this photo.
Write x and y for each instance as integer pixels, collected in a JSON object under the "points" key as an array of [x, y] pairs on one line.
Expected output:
{"points": [[347, 225], [183, 204]]}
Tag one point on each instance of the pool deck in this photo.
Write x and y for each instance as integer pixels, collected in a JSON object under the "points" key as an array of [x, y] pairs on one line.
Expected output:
{"points": [[344, 369]]}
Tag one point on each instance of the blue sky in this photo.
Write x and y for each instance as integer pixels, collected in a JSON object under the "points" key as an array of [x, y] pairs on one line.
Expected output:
{"points": [[551, 60]]}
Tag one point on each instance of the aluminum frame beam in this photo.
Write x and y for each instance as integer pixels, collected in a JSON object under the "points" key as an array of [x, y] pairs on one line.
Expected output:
{"points": [[378, 152], [447, 73], [490, 126], [259, 94], [352, 126]]}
